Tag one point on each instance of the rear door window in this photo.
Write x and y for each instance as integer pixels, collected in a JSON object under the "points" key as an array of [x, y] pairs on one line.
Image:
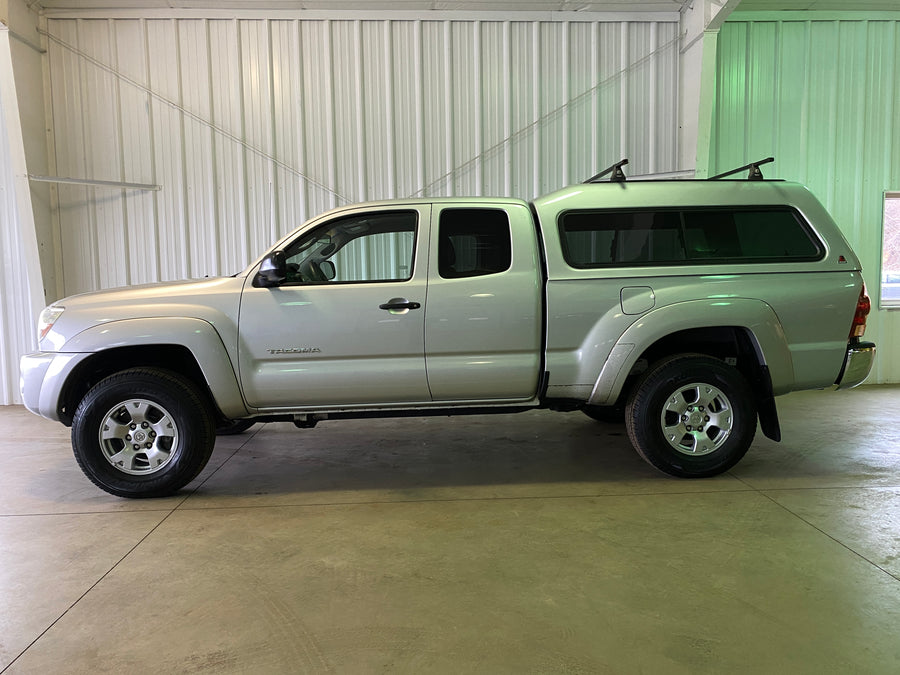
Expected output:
{"points": [[473, 242]]}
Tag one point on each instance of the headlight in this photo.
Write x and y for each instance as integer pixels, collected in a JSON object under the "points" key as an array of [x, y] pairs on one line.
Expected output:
{"points": [[47, 318]]}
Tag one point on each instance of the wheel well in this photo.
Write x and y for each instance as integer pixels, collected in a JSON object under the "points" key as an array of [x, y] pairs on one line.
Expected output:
{"points": [[721, 342], [732, 344], [89, 372]]}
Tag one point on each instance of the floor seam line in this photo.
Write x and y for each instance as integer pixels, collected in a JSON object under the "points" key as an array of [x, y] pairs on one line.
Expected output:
{"points": [[465, 499], [833, 538], [90, 588], [82, 513], [219, 468]]}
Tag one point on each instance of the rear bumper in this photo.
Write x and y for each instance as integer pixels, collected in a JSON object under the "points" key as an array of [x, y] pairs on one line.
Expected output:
{"points": [[857, 365]]}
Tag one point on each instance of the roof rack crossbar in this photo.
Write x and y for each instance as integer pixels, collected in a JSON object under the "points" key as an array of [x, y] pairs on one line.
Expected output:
{"points": [[618, 176], [754, 174]]}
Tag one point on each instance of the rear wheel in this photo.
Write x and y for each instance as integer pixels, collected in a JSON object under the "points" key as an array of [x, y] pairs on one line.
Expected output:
{"points": [[692, 416], [143, 432]]}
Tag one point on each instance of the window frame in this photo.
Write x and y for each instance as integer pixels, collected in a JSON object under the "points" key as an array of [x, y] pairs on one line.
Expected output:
{"points": [[804, 224], [894, 197]]}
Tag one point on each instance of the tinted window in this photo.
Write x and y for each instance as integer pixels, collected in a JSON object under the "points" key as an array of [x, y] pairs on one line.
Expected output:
{"points": [[473, 242], [654, 237], [621, 237], [769, 234]]}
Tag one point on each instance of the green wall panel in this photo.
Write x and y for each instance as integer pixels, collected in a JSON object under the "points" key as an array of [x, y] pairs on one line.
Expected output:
{"points": [[820, 95]]}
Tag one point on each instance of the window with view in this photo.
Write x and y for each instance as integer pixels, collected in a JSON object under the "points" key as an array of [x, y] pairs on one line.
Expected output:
{"points": [[890, 251], [369, 247]]}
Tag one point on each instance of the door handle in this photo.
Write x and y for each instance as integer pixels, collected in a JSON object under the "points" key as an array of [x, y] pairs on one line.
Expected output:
{"points": [[395, 304]]}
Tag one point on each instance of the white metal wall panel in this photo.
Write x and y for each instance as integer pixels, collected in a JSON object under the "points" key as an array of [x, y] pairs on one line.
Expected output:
{"points": [[229, 171], [251, 126], [13, 320], [15, 315], [20, 279], [318, 106], [169, 127], [405, 114], [142, 253], [821, 97], [199, 186], [79, 262]]}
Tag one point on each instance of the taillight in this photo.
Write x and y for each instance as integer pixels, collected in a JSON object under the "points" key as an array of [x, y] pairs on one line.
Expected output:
{"points": [[863, 306]]}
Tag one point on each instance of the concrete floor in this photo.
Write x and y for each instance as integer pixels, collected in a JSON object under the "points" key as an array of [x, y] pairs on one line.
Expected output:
{"points": [[533, 543]]}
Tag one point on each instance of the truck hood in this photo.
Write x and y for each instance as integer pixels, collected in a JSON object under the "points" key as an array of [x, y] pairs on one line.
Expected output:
{"points": [[215, 301]]}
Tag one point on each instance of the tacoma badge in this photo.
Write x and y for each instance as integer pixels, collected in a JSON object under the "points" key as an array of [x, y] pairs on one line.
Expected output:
{"points": [[295, 350]]}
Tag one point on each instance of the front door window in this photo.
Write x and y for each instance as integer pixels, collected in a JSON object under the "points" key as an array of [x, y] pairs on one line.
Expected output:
{"points": [[375, 247]]}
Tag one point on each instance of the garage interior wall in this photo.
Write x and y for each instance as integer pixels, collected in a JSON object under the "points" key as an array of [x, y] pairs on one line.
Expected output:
{"points": [[821, 96], [250, 126], [21, 118]]}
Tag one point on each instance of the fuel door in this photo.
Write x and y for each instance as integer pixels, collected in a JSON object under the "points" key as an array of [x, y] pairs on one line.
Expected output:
{"points": [[637, 299]]}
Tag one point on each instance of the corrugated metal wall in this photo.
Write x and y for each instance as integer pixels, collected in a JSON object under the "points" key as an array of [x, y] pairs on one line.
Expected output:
{"points": [[20, 279], [251, 126], [822, 97], [15, 310]]}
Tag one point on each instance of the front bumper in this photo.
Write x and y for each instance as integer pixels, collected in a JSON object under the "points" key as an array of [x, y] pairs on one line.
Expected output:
{"points": [[41, 379], [857, 365]]}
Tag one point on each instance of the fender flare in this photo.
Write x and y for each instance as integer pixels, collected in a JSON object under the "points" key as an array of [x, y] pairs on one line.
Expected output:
{"points": [[755, 316], [198, 336]]}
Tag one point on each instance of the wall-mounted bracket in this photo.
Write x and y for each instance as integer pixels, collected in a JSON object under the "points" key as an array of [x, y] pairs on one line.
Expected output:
{"points": [[95, 183]]}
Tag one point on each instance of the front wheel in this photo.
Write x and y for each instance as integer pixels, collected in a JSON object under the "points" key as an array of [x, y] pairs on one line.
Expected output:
{"points": [[692, 416], [143, 432]]}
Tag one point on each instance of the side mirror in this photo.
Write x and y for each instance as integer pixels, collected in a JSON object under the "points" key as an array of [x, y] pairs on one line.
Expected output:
{"points": [[272, 270], [328, 270]]}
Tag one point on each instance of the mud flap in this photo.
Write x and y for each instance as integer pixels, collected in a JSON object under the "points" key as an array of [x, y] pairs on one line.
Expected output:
{"points": [[768, 413]]}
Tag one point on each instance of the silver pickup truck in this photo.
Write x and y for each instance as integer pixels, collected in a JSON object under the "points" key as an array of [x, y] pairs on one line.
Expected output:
{"points": [[679, 307]]}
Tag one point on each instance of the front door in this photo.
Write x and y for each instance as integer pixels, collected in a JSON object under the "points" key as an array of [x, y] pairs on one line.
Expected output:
{"points": [[347, 326]]}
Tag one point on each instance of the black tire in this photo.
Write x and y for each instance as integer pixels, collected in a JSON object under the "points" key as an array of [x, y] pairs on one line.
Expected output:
{"points": [[691, 416], [608, 414], [234, 427], [138, 417]]}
